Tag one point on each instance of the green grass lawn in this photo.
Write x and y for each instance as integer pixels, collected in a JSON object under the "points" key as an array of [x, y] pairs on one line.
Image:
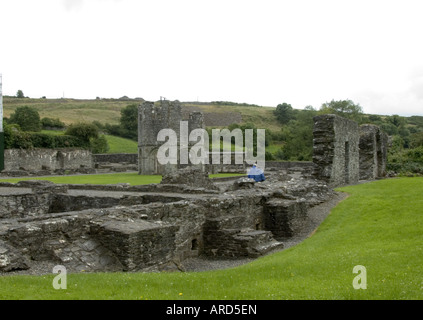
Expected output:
{"points": [[121, 145], [132, 178], [379, 226]]}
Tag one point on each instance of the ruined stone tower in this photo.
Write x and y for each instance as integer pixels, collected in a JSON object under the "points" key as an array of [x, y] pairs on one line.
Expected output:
{"points": [[153, 117], [336, 150], [344, 153]]}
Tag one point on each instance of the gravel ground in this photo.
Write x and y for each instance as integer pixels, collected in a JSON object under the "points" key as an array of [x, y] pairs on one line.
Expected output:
{"points": [[316, 214]]}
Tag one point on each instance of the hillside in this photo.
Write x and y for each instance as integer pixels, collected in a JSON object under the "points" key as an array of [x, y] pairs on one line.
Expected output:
{"points": [[108, 111], [71, 110]]}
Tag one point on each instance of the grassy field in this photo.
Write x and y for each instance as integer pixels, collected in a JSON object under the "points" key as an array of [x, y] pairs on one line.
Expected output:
{"points": [[121, 145], [71, 110], [108, 110], [111, 178], [379, 227]]}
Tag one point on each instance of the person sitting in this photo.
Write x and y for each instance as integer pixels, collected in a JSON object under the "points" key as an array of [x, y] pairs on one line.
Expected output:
{"points": [[256, 173]]}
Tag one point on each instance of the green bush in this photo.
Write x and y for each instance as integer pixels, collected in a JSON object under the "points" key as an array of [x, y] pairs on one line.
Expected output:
{"points": [[27, 118], [14, 138], [84, 132], [99, 145], [41, 140], [66, 141], [406, 161], [52, 123]]}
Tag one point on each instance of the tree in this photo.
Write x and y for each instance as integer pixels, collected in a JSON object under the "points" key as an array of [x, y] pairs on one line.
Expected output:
{"points": [[83, 131], [99, 145], [284, 113], [129, 117], [88, 134], [416, 140], [27, 118], [396, 120], [298, 136], [344, 108], [20, 94]]}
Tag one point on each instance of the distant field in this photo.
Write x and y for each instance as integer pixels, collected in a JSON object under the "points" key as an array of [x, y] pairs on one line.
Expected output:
{"points": [[261, 117], [71, 110], [108, 110]]}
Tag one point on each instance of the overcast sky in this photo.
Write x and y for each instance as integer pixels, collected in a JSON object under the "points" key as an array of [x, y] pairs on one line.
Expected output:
{"points": [[303, 52]]}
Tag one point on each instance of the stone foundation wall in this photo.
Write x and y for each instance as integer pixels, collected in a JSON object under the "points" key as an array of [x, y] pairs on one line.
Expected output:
{"points": [[46, 159], [150, 230], [130, 158], [137, 244], [24, 205]]}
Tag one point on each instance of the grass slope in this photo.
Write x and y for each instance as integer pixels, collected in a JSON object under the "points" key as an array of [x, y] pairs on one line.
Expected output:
{"points": [[379, 226], [121, 145], [108, 110]]}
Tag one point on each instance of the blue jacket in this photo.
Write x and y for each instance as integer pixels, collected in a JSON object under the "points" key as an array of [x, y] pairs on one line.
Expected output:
{"points": [[256, 174]]}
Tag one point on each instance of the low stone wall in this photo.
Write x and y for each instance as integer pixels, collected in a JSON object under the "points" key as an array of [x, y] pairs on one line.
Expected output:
{"points": [[137, 245], [46, 159], [289, 164], [129, 158], [23, 205]]}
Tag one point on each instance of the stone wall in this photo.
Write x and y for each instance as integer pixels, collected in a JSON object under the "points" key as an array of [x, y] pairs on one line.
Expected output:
{"points": [[46, 159], [153, 227], [24, 205], [336, 150], [151, 119], [137, 245], [373, 152], [130, 158]]}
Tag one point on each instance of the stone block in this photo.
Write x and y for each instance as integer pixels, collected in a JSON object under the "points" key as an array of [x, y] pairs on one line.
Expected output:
{"points": [[139, 244], [285, 218]]}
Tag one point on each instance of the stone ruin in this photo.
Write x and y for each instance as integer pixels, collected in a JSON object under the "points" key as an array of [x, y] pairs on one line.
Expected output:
{"points": [[150, 227], [344, 152], [162, 226], [153, 117]]}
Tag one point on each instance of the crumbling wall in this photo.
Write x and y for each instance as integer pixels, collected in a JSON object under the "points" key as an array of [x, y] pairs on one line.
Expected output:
{"points": [[46, 159], [137, 244], [190, 176], [151, 119], [129, 228], [373, 152], [336, 150]]}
